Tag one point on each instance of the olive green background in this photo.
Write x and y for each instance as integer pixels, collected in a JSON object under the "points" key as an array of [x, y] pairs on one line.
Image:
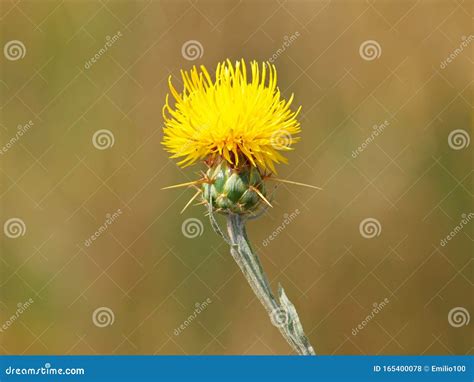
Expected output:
{"points": [[145, 270]]}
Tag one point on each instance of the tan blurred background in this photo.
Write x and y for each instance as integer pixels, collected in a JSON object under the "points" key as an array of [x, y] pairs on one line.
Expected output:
{"points": [[142, 273]]}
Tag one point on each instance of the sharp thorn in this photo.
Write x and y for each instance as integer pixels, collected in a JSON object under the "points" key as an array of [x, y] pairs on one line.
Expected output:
{"points": [[257, 191], [184, 184], [190, 201], [292, 182]]}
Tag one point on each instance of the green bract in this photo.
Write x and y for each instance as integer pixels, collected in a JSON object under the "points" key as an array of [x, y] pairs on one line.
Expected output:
{"points": [[232, 190]]}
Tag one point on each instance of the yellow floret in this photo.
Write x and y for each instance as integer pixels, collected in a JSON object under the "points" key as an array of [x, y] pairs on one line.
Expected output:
{"points": [[238, 117]]}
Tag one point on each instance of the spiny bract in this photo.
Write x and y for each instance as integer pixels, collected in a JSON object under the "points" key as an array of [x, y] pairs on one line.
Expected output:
{"points": [[233, 190]]}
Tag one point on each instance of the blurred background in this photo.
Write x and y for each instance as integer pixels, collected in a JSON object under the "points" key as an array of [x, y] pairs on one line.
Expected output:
{"points": [[82, 87]]}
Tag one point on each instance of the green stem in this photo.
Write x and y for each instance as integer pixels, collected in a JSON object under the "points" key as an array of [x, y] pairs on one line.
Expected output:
{"points": [[282, 313]]}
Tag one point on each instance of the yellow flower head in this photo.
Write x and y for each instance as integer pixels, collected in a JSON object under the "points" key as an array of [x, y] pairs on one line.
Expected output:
{"points": [[238, 118]]}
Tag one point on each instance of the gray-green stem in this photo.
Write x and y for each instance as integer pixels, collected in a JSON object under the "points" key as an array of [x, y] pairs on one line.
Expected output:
{"points": [[282, 312]]}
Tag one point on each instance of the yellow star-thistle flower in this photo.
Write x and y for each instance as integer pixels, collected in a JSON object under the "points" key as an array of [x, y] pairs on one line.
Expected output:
{"points": [[240, 126], [235, 117]]}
